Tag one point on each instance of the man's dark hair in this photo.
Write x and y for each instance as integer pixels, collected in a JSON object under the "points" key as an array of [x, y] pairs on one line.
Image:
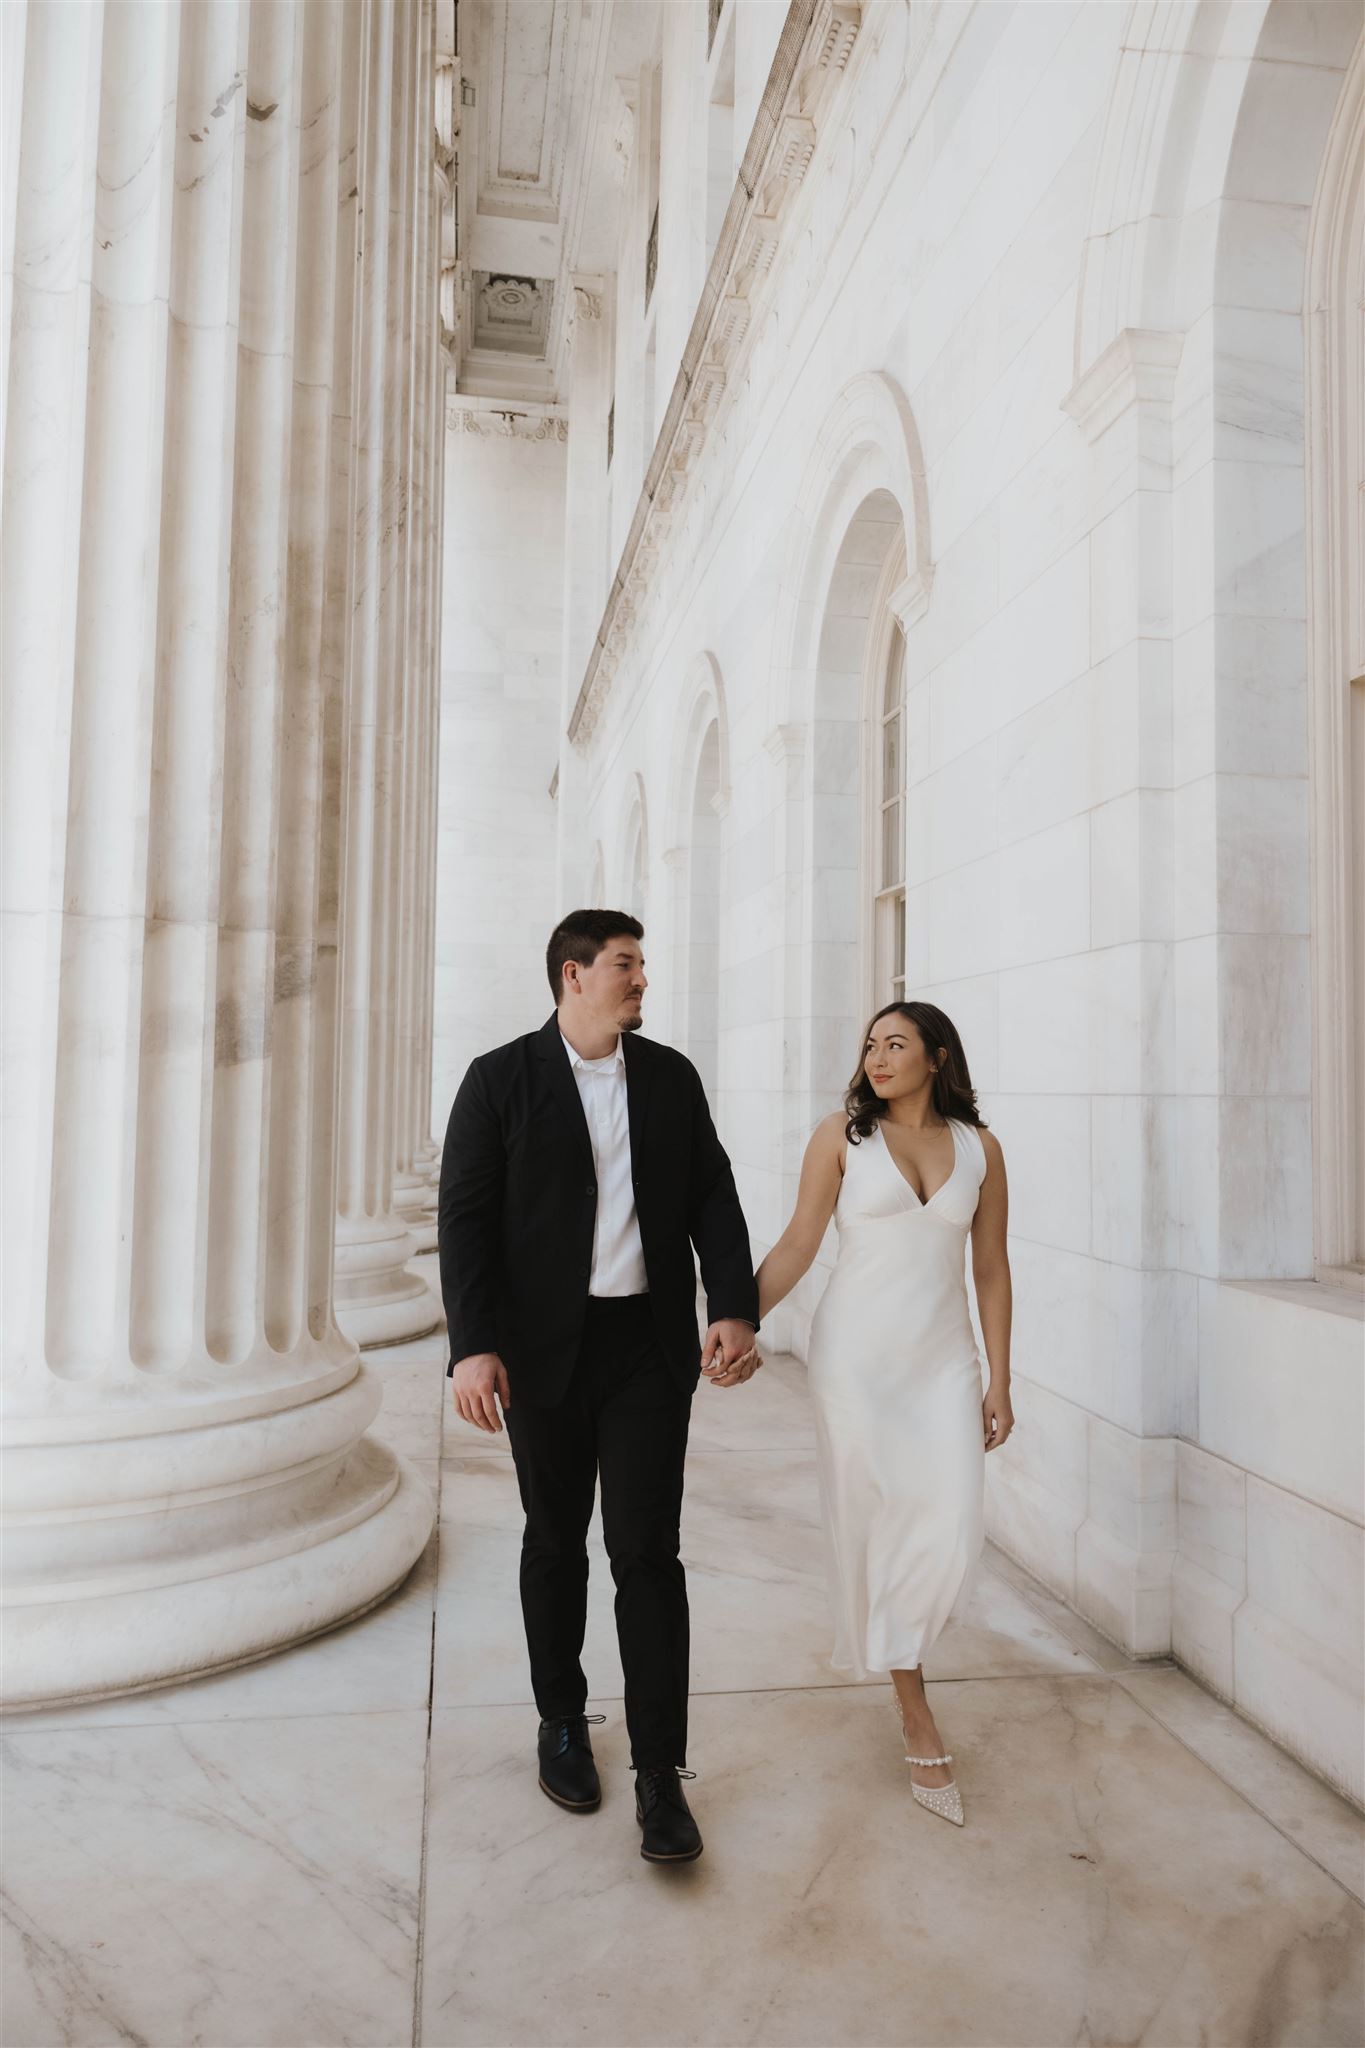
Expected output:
{"points": [[581, 936]]}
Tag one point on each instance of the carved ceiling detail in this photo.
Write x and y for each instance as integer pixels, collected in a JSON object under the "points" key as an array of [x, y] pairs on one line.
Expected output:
{"points": [[511, 313], [505, 423], [521, 159]]}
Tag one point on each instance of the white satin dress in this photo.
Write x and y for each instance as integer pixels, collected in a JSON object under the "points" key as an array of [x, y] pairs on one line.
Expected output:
{"points": [[895, 1380]]}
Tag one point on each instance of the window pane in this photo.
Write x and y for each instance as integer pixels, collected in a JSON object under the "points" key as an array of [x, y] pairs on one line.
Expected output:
{"points": [[893, 845], [890, 947], [893, 756], [895, 671]]}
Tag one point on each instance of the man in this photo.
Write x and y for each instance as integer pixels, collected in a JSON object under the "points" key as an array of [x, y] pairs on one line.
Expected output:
{"points": [[581, 1167]]}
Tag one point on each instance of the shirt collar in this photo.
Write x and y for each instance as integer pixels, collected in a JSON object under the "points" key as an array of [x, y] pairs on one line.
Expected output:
{"points": [[616, 1060]]}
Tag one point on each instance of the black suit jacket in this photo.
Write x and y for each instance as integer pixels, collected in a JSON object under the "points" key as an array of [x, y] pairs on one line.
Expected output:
{"points": [[519, 1206]]}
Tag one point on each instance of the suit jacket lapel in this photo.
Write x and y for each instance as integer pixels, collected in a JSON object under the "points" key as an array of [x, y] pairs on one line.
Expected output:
{"points": [[637, 1096], [559, 1078]]}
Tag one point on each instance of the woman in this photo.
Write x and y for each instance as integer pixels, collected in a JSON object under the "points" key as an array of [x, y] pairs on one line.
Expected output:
{"points": [[907, 1169]]}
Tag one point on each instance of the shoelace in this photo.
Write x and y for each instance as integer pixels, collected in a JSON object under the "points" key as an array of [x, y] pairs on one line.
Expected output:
{"points": [[653, 1778], [574, 1728]]}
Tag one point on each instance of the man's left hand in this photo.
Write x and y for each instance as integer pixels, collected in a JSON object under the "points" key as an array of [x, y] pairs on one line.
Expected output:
{"points": [[729, 1356]]}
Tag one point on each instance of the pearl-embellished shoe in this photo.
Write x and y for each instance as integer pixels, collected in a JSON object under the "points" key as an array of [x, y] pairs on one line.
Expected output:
{"points": [[944, 1800]]}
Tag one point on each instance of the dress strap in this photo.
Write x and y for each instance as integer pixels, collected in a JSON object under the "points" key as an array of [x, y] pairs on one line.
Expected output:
{"points": [[968, 1140]]}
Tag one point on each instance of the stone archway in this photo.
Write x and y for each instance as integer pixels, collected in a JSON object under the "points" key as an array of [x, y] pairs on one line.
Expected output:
{"points": [[863, 495]]}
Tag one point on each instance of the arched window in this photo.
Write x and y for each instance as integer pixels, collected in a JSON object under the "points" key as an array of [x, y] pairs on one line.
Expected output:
{"points": [[889, 843]]}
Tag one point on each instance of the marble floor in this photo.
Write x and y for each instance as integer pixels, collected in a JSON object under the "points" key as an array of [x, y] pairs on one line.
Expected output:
{"points": [[345, 1844]]}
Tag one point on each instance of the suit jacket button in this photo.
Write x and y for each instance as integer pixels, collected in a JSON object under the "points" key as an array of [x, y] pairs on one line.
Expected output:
{"points": [[590, 1187]]}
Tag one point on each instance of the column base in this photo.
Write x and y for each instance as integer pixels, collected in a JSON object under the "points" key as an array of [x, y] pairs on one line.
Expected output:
{"points": [[150, 1578], [377, 1300], [412, 1194], [414, 1202], [427, 1161]]}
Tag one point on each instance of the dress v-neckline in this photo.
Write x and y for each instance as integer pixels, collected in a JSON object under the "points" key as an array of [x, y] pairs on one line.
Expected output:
{"points": [[920, 1201]]}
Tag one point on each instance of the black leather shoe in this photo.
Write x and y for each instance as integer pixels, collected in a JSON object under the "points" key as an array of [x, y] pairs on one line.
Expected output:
{"points": [[670, 1833], [568, 1774]]}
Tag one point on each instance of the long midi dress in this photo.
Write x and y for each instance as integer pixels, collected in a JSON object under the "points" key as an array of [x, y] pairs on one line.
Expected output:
{"points": [[895, 1380]]}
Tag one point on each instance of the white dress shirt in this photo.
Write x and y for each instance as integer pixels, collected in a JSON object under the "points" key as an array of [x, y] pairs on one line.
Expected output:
{"points": [[618, 1258]]}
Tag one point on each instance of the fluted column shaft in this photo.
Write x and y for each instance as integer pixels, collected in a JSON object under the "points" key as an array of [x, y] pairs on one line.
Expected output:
{"points": [[378, 1300], [428, 1150], [187, 1480], [414, 1190]]}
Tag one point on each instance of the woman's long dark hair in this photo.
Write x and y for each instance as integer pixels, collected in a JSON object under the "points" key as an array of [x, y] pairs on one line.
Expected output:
{"points": [[954, 1097]]}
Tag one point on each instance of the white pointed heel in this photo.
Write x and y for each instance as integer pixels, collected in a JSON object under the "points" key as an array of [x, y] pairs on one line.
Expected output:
{"points": [[944, 1800]]}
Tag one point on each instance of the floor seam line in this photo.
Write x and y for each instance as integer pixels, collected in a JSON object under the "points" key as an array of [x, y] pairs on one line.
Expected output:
{"points": [[419, 1950], [13, 1726], [1025, 1593], [725, 1692]]}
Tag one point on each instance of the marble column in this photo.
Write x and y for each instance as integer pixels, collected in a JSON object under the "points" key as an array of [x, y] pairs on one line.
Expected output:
{"points": [[378, 1300], [426, 1152], [431, 1122], [187, 1478], [414, 1194]]}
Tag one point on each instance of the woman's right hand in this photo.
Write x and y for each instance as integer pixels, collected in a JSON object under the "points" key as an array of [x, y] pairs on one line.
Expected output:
{"points": [[997, 1416]]}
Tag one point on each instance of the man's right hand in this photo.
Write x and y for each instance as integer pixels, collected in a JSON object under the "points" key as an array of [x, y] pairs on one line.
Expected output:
{"points": [[476, 1381]]}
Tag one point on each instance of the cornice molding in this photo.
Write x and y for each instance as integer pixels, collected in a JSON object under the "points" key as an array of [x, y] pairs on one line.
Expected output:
{"points": [[812, 55]]}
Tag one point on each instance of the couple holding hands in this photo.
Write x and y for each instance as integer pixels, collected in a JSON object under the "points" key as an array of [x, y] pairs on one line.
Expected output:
{"points": [[581, 1171]]}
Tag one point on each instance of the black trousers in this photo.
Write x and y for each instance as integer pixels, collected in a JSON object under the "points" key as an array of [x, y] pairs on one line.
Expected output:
{"points": [[624, 1418]]}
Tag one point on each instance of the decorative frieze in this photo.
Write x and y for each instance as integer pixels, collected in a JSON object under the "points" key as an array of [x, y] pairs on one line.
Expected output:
{"points": [[812, 57], [506, 422], [836, 31], [757, 249]]}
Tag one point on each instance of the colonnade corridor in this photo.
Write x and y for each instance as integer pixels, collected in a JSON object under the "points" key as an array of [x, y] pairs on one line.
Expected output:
{"points": [[346, 1843]]}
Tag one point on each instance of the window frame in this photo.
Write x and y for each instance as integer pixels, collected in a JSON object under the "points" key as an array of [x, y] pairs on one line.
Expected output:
{"points": [[881, 902]]}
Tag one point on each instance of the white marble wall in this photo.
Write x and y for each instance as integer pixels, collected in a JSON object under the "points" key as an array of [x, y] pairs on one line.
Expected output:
{"points": [[1040, 293], [197, 228]]}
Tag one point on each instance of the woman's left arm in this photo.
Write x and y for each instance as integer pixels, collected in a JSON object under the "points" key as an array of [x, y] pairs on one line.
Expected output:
{"points": [[994, 1294]]}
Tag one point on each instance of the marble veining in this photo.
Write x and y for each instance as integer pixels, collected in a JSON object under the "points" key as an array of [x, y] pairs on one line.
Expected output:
{"points": [[238, 1863]]}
